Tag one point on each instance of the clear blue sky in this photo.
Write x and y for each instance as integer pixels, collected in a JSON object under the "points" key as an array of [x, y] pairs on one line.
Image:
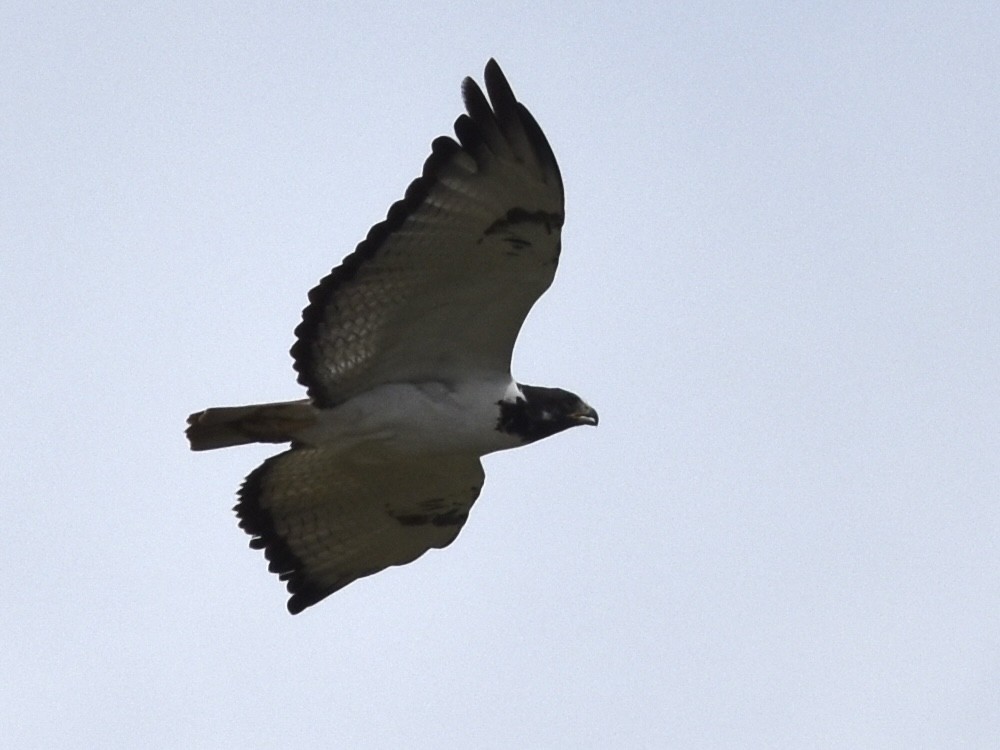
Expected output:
{"points": [[780, 286]]}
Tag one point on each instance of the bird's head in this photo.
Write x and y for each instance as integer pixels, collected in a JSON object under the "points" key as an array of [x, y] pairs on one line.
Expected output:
{"points": [[536, 413]]}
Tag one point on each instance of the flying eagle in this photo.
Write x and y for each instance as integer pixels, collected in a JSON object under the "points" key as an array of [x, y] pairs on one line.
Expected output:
{"points": [[404, 350]]}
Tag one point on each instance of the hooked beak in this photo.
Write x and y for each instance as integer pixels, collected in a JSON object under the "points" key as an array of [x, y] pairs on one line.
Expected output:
{"points": [[585, 415]]}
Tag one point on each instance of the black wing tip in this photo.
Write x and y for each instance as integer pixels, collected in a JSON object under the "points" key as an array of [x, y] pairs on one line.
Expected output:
{"points": [[509, 113], [257, 521], [495, 79], [305, 598], [502, 111], [493, 72]]}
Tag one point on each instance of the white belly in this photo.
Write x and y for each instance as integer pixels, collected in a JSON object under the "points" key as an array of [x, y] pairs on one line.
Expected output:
{"points": [[418, 418]]}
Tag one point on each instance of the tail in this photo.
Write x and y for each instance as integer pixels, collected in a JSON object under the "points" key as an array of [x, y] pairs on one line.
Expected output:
{"points": [[226, 426]]}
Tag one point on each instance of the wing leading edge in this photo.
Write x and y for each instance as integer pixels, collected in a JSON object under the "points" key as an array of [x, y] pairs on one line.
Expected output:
{"points": [[325, 517], [442, 286]]}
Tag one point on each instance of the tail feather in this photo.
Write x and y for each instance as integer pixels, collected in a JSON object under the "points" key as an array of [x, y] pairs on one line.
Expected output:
{"points": [[226, 426]]}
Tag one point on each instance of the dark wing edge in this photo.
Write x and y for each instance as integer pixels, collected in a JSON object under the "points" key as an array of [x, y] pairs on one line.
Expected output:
{"points": [[331, 533], [507, 125], [257, 521]]}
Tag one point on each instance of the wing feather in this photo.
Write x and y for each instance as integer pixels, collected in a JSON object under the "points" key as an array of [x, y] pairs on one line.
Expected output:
{"points": [[442, 286], [325, 517]]}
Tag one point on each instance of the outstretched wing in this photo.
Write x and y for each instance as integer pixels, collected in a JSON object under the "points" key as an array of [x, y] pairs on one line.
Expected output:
{"points": [[442, 286], [325, 517]]}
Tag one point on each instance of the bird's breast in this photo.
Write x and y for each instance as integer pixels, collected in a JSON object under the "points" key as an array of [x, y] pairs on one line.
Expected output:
{"points": [[418, 418]]}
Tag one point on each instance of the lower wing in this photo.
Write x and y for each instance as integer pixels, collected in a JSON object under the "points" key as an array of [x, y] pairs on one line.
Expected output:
{"points": [[325, 517]]}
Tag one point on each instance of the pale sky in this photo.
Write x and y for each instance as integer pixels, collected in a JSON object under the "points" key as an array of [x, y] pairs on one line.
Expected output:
{"points": [[780, 287]]}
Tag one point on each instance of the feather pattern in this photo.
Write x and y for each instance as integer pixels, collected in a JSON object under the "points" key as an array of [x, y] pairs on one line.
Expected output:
{"points": [[326, 517], [441, 287]]}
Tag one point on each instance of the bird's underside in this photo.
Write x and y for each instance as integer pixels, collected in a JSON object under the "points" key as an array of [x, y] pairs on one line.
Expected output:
{"points": [[404, 350]]}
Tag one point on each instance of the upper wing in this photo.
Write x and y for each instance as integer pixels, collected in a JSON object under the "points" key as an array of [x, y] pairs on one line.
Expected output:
{"points": [[442, 286], [325, 517]]}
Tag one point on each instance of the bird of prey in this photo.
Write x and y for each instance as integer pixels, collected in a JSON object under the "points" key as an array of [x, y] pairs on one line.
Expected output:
{"points": [[404, 350]]}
